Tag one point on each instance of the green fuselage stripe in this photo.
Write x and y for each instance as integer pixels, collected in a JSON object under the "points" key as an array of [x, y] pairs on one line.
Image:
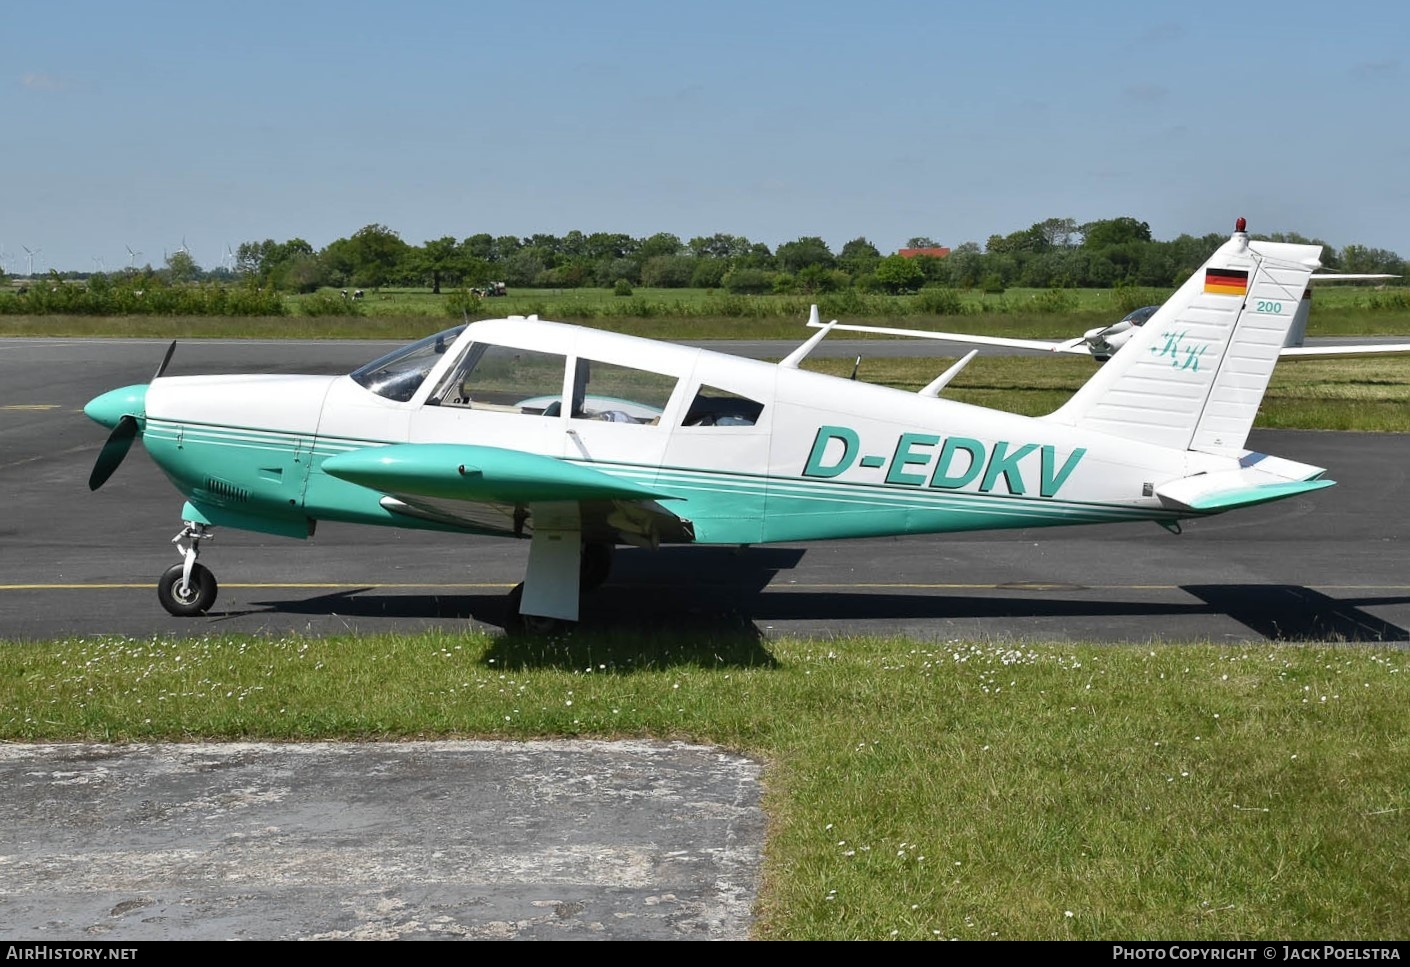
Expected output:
{"points": [[276, 473]]}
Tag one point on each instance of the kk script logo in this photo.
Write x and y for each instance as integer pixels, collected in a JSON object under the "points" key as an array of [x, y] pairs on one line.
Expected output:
{"points": [[1182, 356]]}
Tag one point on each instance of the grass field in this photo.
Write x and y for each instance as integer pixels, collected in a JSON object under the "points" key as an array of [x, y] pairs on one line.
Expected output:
{"points": [[702, 314], [587, 303], [915, 789]]}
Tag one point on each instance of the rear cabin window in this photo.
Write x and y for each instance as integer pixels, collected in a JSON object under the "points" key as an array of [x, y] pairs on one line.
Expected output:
{"points": [[719, 407]]}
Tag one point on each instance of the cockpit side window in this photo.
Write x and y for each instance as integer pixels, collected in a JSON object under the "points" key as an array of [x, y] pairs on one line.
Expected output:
{"points": [[400, 373]]}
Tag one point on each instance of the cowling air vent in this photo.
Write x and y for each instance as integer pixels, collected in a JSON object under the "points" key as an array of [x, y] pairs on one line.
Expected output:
{"points": [[226, 490]]}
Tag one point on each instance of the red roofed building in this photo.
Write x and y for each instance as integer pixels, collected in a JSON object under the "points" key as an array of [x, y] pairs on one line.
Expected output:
{"points": [[939, 252]]}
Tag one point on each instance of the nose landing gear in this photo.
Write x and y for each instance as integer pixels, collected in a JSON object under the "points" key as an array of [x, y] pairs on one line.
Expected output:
{"points": [[188, 589]]}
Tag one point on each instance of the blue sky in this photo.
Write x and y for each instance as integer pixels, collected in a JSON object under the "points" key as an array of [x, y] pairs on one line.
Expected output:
{"points": [[137, 123]]}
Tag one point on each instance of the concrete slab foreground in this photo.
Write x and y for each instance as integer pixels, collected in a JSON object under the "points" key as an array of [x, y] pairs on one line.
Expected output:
{"points": [[417, 840]]}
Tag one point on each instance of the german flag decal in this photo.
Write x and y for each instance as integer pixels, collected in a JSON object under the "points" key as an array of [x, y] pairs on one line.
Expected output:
{"points": [[1226, 281]]}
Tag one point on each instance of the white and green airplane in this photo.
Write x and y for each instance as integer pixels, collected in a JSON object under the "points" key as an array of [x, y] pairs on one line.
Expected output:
{"points": [[579, 440]]}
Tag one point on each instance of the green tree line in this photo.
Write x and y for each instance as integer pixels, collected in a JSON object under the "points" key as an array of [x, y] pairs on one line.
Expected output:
{"points": [[1054, 253], [1057, 253]]}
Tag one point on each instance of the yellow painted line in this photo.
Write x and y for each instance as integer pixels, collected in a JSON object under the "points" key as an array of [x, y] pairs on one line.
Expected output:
{"points": [[785, 586], [371, 585], [30, 406]]}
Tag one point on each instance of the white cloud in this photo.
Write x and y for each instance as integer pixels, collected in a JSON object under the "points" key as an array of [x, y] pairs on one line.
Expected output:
{"points": [[43, 82]]}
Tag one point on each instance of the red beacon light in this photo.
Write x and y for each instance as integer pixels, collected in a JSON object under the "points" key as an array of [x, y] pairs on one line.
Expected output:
{"points": [[1240, 225]]}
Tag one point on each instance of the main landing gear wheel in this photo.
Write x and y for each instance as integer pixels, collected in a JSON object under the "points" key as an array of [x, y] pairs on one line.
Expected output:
{"points": [[595, 565], [191, 599], [518, 623]]}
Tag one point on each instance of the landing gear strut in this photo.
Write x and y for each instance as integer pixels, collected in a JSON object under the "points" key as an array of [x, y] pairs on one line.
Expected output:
{"points": [[188, 588], [594, 565]]}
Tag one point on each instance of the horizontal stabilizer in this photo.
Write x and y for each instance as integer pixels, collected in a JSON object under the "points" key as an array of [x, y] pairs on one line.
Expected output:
{"points": [[1213, 492], [465, 472]]}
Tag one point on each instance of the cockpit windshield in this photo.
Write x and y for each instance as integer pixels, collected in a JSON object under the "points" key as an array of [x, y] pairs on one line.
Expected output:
{"points": [[400, 373]]}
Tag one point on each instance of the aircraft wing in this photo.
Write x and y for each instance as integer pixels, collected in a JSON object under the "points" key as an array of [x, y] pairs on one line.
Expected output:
{"points": [[1364, 349], [510, 491], [1043, 345], [1080, 347]]}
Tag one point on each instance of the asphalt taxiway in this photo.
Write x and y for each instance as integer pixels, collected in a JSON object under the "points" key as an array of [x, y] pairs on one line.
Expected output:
{"points": [[1330, 565], [537, 841]]}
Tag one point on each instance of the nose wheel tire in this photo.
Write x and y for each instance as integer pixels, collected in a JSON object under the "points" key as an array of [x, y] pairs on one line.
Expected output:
{"points": [[193, 599]]}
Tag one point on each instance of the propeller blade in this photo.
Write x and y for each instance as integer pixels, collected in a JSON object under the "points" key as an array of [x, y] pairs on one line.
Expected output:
{"points": [[116, 447], [165, 359]]}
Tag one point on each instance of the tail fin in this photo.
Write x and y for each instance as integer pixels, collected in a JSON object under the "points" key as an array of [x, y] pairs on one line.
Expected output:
{"points": [[1193, 376]]}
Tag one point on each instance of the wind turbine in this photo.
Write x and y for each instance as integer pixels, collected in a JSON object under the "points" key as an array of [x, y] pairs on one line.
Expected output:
{"points": [[30, 253], [132, 257], [98, 261]]}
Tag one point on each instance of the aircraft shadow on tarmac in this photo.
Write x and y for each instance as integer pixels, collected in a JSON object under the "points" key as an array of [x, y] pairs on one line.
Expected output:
{"points": [[727, 594], [1289, 612], [732, 610]]}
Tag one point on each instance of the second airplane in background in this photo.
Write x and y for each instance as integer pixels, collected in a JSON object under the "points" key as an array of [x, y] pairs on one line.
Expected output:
{"points": [[1102, 342]]}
